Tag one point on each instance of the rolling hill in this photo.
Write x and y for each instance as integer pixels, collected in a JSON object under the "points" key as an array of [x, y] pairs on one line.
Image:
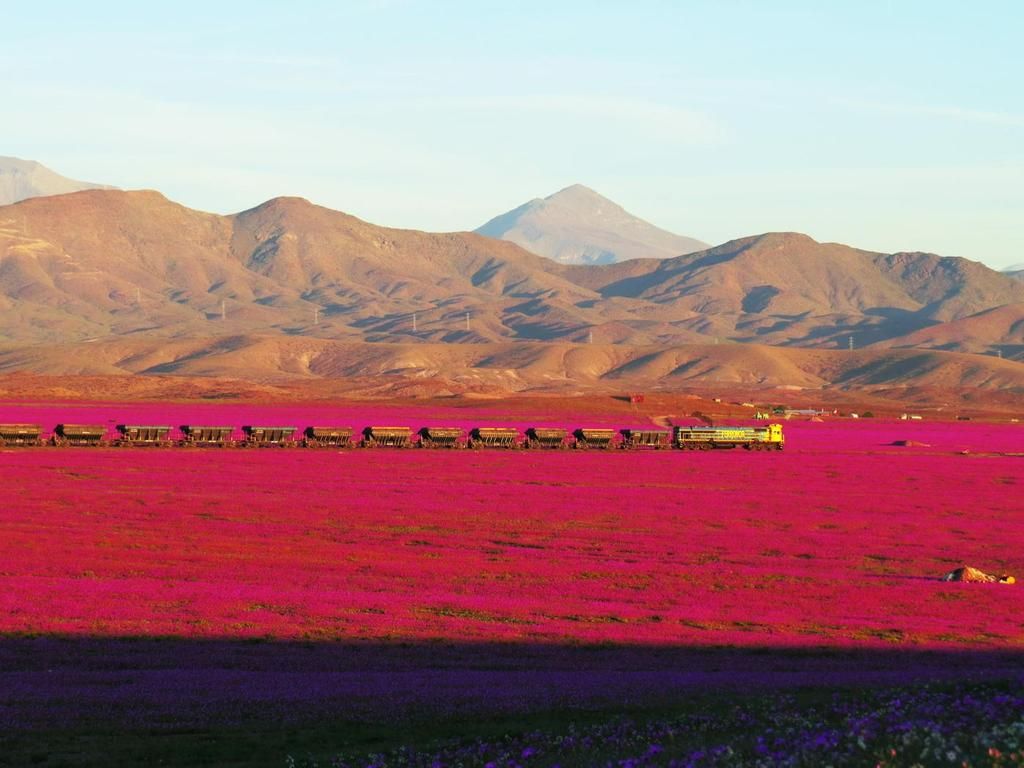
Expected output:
{"points": [[98, 263], [578, 226], [519, 366], [992, 331], [785, 288]]}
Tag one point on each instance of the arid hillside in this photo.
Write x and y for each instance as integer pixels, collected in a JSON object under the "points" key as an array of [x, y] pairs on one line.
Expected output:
{"points": [[107, 263], [127, 263], [998, 331], [517, 366], [785, 288]]}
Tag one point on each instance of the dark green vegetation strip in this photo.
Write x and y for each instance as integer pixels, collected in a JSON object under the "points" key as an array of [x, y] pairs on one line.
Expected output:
{"points": [[973, 724]]}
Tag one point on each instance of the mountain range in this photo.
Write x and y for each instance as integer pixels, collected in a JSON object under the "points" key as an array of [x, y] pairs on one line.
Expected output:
{"points": [[22, 179], [579, 226], [102, 265]]}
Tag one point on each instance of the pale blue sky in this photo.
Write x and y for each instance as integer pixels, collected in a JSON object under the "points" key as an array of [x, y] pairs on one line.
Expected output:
{"points": [[885, 125]]}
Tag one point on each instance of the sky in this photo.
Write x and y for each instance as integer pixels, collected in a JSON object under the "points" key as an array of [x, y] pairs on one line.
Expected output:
{"points": [[884, 125]]}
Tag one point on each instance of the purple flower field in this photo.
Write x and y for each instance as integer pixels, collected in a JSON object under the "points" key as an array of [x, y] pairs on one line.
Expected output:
{"points": [[966, 725]]}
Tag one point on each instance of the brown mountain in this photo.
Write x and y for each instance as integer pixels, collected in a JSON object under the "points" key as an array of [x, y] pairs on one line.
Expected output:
{"points": [[578, 226], [785, 288], [99, 264], [22, 179], [992, 331]]}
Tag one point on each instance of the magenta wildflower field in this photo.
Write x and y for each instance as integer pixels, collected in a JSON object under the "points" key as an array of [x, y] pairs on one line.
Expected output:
{"points": [[835, 541], [475, 572]]}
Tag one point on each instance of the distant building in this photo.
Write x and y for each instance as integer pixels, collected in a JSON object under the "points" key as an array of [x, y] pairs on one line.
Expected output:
{"points": [[790, 412]]}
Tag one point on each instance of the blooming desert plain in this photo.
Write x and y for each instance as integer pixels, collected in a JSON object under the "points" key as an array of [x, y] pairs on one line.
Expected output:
{"points": [[770, 252], [358, 607]]}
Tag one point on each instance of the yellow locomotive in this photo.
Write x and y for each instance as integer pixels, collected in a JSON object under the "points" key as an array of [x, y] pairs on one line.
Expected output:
{"points": [[751, 438]]}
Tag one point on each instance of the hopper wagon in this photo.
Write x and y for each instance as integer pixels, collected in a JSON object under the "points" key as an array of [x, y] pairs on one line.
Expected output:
{"points": [[441, 437], [266, 437], [655, 439], [206, 436], [386, 437], [545, 437], [79, 434], [133, 434], [327, 437], [494, 437], [20, 434], [751, 438], [586, 438]]}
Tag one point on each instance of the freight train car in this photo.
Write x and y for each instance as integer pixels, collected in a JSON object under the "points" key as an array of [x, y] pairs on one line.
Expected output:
{"points": [[386, 437], [140, 434], [751, 438], [441, 437], [327, 437], [586, 438], [655, 439], [20, 434], [545, 437], [494, 437], [79, 435]]}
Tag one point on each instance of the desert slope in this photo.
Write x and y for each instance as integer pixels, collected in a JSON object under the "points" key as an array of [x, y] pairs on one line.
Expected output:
{"points": [[992, 331], [519, 366], [785, 288]]}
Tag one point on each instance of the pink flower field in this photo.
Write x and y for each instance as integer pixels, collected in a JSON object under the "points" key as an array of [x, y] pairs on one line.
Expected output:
{"points": [[836, 542]]}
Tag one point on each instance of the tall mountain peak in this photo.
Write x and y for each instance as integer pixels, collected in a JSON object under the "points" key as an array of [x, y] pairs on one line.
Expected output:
{"points": [[578, 192], [1015, 270], [577, 225], [24, 179]]}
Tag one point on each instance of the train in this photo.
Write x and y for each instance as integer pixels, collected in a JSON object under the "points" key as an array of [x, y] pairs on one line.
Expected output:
{"points": [[769, 437]]}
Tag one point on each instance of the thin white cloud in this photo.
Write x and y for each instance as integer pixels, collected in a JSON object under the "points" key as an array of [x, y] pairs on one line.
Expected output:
{"points": [[960, 114], [647, 119]]}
